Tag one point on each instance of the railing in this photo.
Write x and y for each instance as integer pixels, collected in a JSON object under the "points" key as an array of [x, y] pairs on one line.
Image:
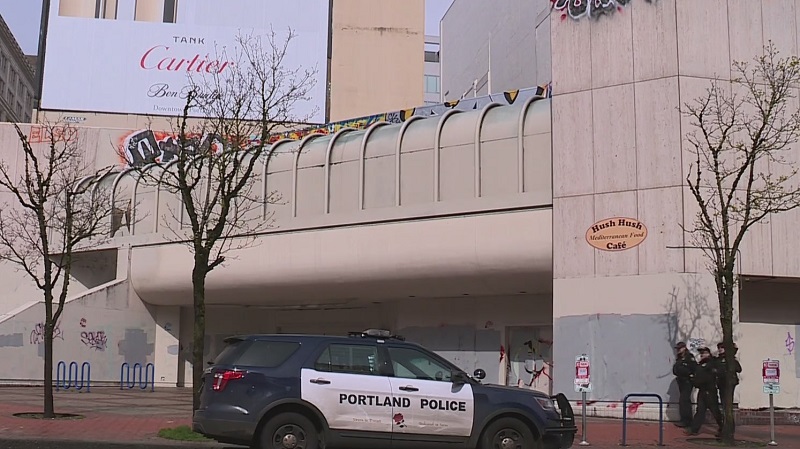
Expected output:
{"points": [[63, 382], [148, 378], [660, 415]]}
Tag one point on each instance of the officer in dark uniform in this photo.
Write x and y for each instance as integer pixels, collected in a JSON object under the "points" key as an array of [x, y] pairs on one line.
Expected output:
{"points": [[721, 368], [705, 379], [684, 372]]}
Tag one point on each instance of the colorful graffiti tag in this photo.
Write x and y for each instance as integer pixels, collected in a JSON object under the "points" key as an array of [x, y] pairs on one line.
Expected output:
{"points": [[464, 104], [146, 146], [589, 8]]}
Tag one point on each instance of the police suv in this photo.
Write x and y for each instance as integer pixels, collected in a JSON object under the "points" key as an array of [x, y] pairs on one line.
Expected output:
{"points": [[368, 390]]}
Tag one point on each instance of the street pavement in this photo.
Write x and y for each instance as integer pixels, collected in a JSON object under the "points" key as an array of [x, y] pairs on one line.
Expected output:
{"points": [[131, 419]]}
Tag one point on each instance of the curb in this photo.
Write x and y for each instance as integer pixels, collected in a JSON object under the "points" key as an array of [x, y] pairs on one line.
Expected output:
{"points": [[155, 443]]}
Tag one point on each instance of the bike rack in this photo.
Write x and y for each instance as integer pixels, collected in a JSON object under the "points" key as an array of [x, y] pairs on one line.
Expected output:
{"points": [[149, 376], [64, 380], [660, 415]]}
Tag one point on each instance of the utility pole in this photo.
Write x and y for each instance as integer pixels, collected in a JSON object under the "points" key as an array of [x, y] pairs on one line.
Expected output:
{"points": [[40, 57]]}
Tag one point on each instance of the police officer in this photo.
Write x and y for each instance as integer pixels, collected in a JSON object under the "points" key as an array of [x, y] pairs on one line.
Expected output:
{"points": [[705, 379], [683, 370], [721, 368]]}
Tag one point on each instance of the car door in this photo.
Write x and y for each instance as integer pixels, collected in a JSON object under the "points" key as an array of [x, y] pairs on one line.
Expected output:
{"points": [[428, 405], [346, 385]]}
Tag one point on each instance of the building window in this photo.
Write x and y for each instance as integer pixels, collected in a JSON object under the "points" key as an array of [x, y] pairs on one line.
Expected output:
{"points": [[432, 84], [431, 56], [170, 11], [105, 9], [165, 11]]}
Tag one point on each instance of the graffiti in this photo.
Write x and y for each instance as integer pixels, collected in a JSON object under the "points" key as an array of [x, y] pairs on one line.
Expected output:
{"points": [[464, 104], [37, 334], [633, 407], [789, 342], [588, 8], [83, 322], [529, 361], [502, 353], [48, 134], [95, 340], [146, 146]]}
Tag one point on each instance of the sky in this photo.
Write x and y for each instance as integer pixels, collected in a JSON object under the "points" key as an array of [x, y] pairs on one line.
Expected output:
{"points": [[23, 17]]}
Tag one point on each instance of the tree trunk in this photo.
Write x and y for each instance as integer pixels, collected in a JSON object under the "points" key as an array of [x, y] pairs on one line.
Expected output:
{"points": [[726, 282], [199, 336], [49, 407]]}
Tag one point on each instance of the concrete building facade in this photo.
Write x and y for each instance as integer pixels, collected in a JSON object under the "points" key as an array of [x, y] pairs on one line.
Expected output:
{"points": [[375, 59], [619, 76], [433, 84], [468, 229], [17, 84]]}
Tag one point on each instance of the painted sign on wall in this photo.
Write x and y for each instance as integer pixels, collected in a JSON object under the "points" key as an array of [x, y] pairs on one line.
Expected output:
{"points": [[616, 234]]}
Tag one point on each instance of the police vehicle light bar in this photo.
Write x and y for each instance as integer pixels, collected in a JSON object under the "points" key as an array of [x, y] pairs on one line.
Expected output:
{"points": [[375, 333]]}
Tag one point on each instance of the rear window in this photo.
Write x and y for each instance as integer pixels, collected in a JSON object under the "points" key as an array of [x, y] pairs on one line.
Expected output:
{"points": [[262, 353], [229, 352]]}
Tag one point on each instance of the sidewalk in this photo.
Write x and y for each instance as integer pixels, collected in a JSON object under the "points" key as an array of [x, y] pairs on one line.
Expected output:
{"points": [[135, 416]]}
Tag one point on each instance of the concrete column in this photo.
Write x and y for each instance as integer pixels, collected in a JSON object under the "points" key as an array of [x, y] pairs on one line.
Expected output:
{"points": [[167, 345], [77, 8]]}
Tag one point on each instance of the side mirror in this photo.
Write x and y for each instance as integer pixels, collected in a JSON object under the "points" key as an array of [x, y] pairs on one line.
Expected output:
{"points": [[459, 378], [479, 374]]}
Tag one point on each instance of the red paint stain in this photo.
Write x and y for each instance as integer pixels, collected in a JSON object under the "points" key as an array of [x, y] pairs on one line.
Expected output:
{"points": [[612, 405], [563, 17], [634, 407], [587, 402]]}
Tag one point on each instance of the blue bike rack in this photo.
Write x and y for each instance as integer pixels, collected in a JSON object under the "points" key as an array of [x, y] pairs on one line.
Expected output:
{"points": [[65, 381], [143, 380], [660, 415]]}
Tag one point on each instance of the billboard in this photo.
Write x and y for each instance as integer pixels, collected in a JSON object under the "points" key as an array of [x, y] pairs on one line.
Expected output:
{"points": [[139, 56]]}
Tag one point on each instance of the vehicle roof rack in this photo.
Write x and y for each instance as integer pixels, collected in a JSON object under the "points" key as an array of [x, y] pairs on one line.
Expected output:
{"points": [[375, 333]]}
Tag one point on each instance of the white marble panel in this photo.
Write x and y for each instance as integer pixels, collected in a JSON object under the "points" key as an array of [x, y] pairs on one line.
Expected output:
{"points": [[744, 16], [612, 50], [614, 139], [655, 39], [658, 134], [703, 48], [572, 256], [571, 54], [573, 162], [661, 210]]}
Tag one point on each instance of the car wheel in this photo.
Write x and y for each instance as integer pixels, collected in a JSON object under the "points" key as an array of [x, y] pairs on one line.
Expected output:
{"points": [[509, 433], [289, 431]]}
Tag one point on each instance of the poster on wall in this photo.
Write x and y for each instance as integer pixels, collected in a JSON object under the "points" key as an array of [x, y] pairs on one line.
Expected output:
{"points": [[139, 56]]}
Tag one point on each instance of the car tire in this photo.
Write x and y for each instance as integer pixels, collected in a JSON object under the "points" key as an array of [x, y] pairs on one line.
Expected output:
{"points": [[509, 433], [289, 431]]}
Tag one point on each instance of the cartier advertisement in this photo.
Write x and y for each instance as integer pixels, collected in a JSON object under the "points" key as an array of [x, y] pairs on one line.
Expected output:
{"points": [[143, 56]]}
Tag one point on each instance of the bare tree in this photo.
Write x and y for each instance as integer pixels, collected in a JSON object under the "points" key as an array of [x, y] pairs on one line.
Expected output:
{"points": [[58, 208], [210, 163], [742, 173]]}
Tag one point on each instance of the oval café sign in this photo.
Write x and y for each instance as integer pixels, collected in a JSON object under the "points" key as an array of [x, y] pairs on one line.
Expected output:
{"points": [[616, 234]]}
